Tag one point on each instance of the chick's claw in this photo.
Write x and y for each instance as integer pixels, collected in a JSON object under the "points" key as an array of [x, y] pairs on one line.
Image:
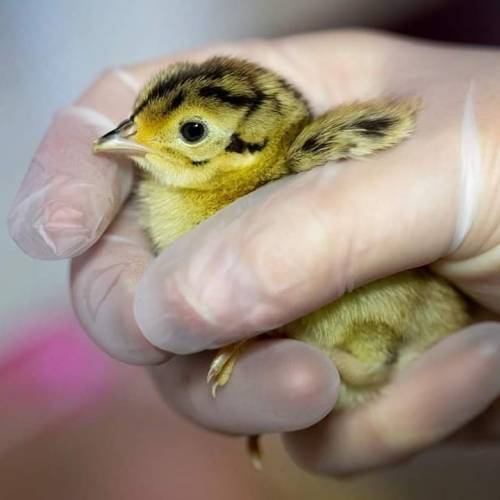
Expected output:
{"points": [[222, 365]]}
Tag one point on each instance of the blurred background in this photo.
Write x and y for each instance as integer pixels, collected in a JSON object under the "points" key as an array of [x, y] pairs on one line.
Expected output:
{"points": [[74, 423]]}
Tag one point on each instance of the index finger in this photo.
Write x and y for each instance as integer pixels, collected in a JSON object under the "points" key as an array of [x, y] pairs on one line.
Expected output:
{"points": [[68, 196]]}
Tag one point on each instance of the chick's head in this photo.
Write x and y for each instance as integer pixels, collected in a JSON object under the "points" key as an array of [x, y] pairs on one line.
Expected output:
{"points": [[195, 125]]}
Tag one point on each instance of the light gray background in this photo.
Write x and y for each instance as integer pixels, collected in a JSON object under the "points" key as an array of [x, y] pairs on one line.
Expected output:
{"points": [[50, 50]]}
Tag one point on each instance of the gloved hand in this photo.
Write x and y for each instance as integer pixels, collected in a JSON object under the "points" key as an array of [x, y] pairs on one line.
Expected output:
{"points": [[291, 247]]}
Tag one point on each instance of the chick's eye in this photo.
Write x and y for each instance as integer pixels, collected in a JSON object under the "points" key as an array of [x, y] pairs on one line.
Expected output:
{"points": [[193, 131]]}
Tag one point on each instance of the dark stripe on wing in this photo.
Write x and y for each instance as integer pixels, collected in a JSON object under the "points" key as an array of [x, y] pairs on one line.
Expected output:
{"points": [[374, 126], [314, 145]]}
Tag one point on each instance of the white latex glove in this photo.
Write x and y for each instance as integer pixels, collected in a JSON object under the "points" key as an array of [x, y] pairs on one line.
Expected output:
{"points": [[292, 246]]}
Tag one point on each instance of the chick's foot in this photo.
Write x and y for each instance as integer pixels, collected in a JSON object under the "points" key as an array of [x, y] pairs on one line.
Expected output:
{"points": [[222, 365]]}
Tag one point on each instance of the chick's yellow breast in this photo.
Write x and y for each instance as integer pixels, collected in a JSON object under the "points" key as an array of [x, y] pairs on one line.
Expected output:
{"points": [[168, 213]]}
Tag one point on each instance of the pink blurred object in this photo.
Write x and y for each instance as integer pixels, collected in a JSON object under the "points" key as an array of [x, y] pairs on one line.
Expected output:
{"points": [[51, 373]]}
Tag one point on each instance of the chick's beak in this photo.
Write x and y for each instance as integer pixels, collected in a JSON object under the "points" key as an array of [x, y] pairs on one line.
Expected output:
{"points": [[120, 141]]}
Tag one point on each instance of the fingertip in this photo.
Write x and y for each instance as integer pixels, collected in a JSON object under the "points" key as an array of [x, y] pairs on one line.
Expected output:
{"points": [[167, 313], [307, 378], [276, 386], [68, 196], [102, 294], [103, 282]]}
